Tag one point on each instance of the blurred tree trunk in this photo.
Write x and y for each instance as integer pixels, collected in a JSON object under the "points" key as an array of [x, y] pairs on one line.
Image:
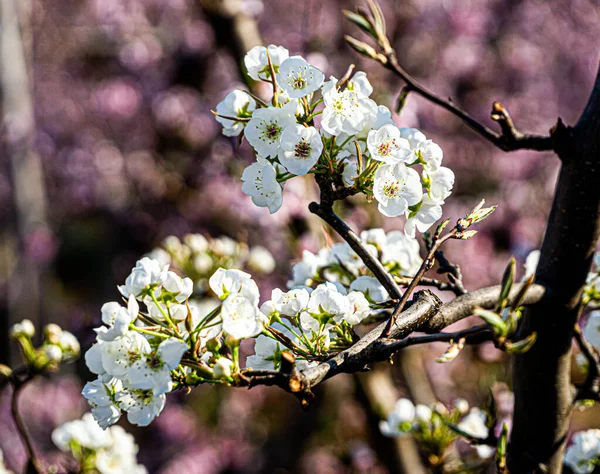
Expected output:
{"points": [[543, 392], [23, 273]]}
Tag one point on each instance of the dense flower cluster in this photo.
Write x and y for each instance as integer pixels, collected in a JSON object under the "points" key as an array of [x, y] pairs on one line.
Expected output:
{"points": [[356, 142], [583, 456], [111, 451], [430, 425], [198, 257]]}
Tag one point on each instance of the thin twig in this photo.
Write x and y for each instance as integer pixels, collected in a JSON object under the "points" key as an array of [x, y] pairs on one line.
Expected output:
{"points": [[426, 265], [34, 463], [591, 387]]}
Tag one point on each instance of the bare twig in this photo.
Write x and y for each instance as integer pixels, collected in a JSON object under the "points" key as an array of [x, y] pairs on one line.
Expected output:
{"points": [[34, 464], [590, 390]]}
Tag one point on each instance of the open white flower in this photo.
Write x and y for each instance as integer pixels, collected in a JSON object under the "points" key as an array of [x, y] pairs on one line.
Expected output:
{"points": [[290, 303], [300, 149], [241, 317], [236, 104], [396, 188], [264, 129], [226, 282], [343, 110], [119, 355], [298, 78], [260, 183], [84, 432], [326, 302], [431, 155], [142, 406], [401, 251], [386, 144], [267, 354], [153, 370], [582, 455], [261, 260], [474, 424], [120, 458], [371, 288], [423, 218], [343, 253], [257, 62], [400, 420], [146, 273], [414, 136], [359, 308], [306, 269], [442, 181], [350, 172], [360, 84], [181, 287], [98, 395], [374, 237], [117, 319]]}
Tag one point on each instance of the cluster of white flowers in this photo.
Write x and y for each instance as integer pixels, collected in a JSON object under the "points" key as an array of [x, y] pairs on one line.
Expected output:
{"points": [[111, 451], [400, 167], [58, 346], [198, 257], [583, 456], [429, 424], [398, 253], [138, 353]]}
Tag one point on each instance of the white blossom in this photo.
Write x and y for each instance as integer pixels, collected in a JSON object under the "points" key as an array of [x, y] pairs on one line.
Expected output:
{"points": [[257, 62], [236, 104], [441, 183], [343, 253], [290, 303], [371, 288], [396, 188], [146, 273], [360, 84], [350, 172], [423, 413], [260, 183], [225, 282], [400, 420], [343, 110], [241, 317], [400, 250], [98, 394], [583, 454], [181, 287], [266, 353], [153, 370], [298, 78], [300, 149], [474, 425], [431, 155], [325, 303], [386, 144], [266, 126], [261, 260], [306, 269], [117, 318], [223, 368], [119, 355], [423, 218], [85, 432], [375, 237], [359, 308], [53, 353], [142, 406]]}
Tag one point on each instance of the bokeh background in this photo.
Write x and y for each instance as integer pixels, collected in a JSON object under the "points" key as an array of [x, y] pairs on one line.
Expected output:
{"points": [[108, 146]]}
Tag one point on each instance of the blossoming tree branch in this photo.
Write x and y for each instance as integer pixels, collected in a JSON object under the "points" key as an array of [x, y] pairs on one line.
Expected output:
{"points": [[161, 338]]}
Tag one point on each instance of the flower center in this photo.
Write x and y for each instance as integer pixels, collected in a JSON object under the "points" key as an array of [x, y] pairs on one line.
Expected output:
{"points": [[272, 131], [385, 148], [392, 189], [302, 149], [298, 82]]}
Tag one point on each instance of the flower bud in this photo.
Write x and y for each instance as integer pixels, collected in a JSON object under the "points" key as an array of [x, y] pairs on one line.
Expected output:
{"points": [[52, 330], [461, 405], [24, 328], [223, 367], [53, 353], [261, 260], [213, 345]]}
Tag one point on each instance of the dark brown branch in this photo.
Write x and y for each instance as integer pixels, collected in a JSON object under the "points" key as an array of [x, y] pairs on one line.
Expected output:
{"points": [[541, 423], [509, 140], [426, 265], [34, 465], [385, 278], [422, 314]]}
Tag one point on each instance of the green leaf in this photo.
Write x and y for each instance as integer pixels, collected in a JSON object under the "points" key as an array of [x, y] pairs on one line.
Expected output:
{"points": [[361, 22], [493, 319], [507, 281], [521, 346], [522, 292]]}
